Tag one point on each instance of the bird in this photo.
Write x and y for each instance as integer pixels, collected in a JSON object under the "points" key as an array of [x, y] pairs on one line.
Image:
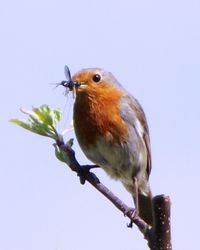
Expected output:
{"points": [[112, 131]]}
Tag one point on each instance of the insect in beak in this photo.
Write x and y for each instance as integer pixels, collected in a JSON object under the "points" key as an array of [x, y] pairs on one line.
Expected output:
{"points": [[69, 84]]}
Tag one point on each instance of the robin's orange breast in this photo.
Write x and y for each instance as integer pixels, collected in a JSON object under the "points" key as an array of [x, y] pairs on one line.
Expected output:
{"points": [[96, 113]]}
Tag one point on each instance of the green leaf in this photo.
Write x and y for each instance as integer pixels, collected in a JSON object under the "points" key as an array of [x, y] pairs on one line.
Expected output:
{"points": [[57, 115], [33, 127], [21, 124], [48, 116], [58, 153], [42, 121]]}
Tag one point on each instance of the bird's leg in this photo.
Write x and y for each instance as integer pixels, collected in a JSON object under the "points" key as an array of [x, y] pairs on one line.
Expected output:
{"points": [[133, 213], [135, 187], [136, 201]]}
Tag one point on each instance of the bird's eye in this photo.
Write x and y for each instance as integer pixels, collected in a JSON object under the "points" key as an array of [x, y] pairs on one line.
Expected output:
{"points": [[96, 78]]}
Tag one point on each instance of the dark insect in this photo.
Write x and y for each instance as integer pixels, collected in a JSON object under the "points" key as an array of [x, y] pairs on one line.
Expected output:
{"points": [[69, 83]]}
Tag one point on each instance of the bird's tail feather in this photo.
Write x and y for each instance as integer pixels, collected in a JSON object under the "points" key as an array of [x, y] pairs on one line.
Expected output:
{"points": [[145, 207]]}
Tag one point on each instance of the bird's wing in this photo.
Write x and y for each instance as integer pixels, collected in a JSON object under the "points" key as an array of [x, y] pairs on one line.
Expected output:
{"points": [[132, 112]]}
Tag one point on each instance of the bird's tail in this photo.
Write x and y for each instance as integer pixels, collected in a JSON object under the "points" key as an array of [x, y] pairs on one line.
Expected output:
{"points": [[145, 207]]}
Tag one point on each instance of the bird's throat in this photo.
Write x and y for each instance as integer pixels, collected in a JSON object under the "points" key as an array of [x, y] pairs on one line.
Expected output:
{"points": [[98, 114]]}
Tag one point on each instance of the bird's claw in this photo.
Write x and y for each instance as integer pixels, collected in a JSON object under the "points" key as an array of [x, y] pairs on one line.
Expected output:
{"points": [[130, 224], [83, 171], [131, 212], [82, 177]]}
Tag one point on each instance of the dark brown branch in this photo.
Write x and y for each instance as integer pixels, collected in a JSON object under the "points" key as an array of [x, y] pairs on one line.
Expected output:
{"points": [[158, 237], [162, 230]]}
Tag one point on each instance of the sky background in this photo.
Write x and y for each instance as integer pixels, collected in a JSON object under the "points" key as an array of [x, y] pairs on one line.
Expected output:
{"points": [[153, 49]]}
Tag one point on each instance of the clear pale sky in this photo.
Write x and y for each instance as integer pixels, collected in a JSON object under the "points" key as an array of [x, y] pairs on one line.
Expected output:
{"points": [[153, 48]]}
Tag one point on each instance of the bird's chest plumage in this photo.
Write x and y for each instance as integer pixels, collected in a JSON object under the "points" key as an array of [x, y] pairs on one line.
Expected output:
{"points": [[98, 115], [104, 137]]}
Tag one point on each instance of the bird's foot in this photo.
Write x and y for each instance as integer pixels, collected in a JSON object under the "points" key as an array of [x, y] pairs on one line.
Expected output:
{"points": [[131, 212], [84, 170]]}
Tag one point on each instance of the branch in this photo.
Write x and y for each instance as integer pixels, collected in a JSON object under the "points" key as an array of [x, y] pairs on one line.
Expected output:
{"points": [[95, 182], [162, 230], [158, 236]]}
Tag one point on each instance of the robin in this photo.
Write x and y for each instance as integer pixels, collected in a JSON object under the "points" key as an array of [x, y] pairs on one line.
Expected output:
{"points": [[111, 129]]}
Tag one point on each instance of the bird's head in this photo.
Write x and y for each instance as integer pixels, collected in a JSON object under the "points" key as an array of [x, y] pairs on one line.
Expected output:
{"points": [[90, 81], [95, 81]]}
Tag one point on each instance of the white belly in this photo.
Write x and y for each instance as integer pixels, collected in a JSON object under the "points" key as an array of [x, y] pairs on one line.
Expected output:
{"points": [[120, 161]]}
